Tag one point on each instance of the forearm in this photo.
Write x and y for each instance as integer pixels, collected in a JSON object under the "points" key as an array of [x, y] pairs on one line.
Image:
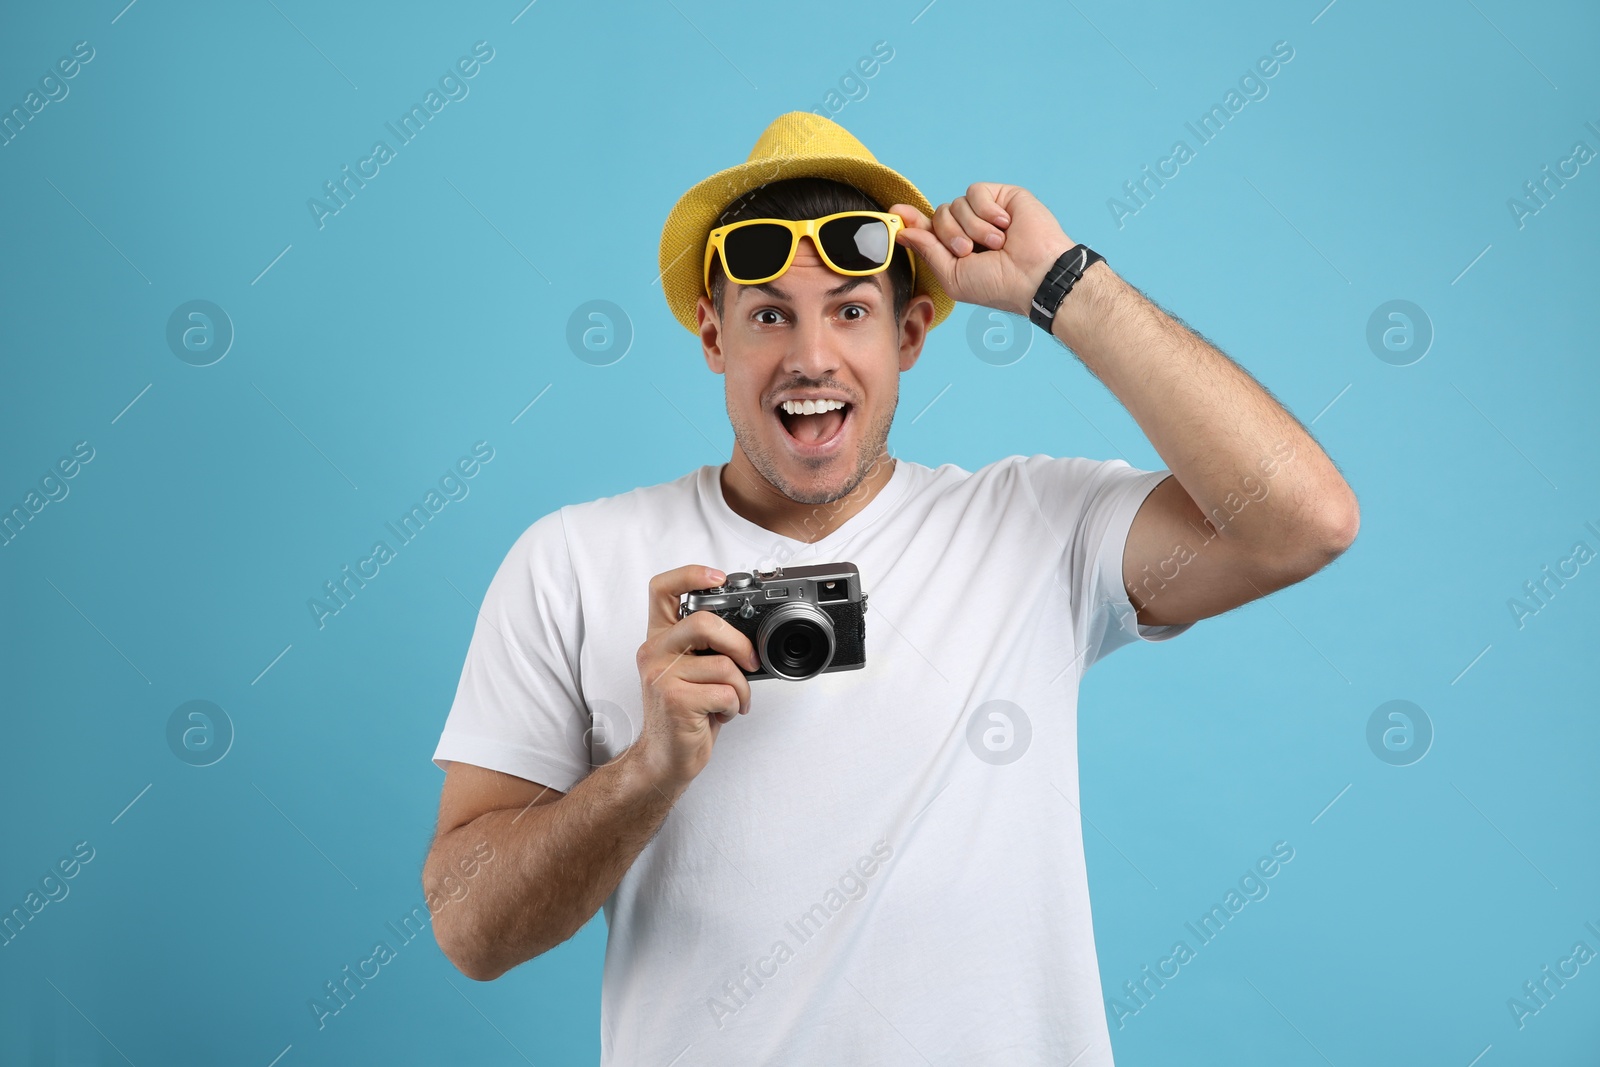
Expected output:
{"points": [[555, 865], [1211, 422]]}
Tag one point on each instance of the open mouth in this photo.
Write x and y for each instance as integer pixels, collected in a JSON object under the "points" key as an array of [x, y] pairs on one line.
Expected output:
{"points": [[816, 429]]}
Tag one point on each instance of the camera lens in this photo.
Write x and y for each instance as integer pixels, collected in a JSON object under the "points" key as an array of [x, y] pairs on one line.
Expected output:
{"points": [[795, 641], [798, 649]]}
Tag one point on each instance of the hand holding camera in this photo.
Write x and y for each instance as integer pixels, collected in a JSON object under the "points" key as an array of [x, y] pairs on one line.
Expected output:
{"points": [[706, 642], [691, 674]]}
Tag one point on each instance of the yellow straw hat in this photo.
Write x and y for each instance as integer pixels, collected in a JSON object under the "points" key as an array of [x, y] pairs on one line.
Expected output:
{"points": [[799, 144]]}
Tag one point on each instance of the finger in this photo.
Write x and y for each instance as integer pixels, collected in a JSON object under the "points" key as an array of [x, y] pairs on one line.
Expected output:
{"points": [[913, 217], [934, 255], [983, 197], [977, 230], [668, 586], [949, 231], [918, 236], [714, 699], [707, 630], [715, 670]]}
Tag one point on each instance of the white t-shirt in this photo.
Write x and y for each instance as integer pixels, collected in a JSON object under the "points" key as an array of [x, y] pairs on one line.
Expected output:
{"points": [[882, 865]]}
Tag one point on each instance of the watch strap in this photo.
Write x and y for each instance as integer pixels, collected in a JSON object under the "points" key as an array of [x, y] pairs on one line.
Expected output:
{"points": [[1058, 282]]}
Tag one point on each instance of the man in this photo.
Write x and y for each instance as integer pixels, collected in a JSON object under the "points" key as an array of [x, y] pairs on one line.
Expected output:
{"points": [[879, 865]]}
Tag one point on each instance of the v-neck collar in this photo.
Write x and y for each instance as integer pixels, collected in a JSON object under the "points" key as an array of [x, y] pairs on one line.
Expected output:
{"points": [[709, 484]]}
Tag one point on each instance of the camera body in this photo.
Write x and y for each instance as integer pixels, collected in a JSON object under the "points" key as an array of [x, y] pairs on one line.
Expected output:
{"points": [[803, 621]]}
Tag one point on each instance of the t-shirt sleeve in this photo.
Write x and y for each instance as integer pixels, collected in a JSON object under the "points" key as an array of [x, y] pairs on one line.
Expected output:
{"points": [[519, 706], [1089, 507]]}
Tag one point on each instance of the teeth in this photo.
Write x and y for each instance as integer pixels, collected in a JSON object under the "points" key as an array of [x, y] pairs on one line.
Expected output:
{"points": [[811, 407]]}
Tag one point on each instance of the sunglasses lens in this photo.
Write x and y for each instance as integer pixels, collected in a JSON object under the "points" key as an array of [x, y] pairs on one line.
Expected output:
{"points": [[857, 242], [756, 251]]}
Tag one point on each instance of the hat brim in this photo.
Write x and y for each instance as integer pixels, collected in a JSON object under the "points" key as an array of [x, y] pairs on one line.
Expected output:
{"points": [[689, 224]]}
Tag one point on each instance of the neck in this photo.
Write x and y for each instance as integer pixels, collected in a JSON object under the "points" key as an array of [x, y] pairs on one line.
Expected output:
{"points": [[752, 497]]}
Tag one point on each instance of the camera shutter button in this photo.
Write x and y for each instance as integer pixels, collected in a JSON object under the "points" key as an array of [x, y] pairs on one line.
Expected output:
{"points": [[739, 580]]}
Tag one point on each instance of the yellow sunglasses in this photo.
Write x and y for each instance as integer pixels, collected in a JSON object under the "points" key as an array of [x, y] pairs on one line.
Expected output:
{"points": [[755, 251]]}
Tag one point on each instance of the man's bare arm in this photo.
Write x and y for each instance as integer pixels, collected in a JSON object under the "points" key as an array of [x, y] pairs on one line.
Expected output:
{"points": [[555, 863], [1216, 428], [1226, 440]]}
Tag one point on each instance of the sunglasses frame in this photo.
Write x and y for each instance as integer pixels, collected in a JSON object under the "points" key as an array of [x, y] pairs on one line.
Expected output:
{"points": [[799, 228]]}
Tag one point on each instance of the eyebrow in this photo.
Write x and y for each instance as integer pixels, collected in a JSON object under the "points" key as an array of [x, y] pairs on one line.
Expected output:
{"points": [[772, 289]]}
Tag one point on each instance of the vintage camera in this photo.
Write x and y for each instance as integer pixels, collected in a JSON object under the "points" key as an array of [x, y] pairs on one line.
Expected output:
{"points": [[803, 621]]}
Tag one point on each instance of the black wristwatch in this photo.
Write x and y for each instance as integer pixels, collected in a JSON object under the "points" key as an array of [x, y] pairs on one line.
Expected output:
{"points": [[1058, 282]]}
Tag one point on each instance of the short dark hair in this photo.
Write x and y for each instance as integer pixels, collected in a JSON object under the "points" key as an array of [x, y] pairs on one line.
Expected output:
{"points": [[809, 198]]}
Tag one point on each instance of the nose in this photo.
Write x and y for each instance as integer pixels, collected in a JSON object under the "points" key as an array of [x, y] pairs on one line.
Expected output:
{"points": [[812, 354]]}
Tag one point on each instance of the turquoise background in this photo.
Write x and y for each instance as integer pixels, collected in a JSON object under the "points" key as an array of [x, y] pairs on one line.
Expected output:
{"points": [[372, 353]]}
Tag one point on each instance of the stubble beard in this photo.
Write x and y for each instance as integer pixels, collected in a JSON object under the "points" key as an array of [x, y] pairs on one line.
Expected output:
{"points": [[872, 449]]}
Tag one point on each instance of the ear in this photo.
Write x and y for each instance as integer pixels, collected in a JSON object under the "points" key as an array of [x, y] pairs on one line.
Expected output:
{"points": [[710, 333], [914, 326]]}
